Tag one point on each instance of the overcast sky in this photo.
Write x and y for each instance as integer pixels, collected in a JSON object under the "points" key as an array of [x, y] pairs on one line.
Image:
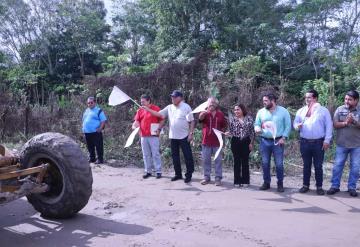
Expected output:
{"points": [[108, 4]]}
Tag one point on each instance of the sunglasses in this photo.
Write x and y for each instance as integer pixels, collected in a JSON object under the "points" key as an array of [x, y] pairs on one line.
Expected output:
{"points": [[90, 103]]}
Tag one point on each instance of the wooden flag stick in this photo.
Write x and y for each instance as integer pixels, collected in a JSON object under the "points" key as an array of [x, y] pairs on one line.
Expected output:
{"points": [[135, 102]]}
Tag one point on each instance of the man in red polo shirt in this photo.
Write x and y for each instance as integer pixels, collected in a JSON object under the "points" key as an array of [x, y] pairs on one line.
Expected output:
{"points": [[211, 118], [149, 131]]}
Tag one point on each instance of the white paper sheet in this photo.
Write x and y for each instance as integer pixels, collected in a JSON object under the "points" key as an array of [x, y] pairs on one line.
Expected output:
{"points": [[153, 128], [200, 108], [218, 134], [270, 127], [117, 97], [131, 138]]}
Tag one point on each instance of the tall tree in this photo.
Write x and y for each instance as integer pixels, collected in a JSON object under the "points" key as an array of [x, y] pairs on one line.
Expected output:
{"points": [[135, 29], [84, 28]]}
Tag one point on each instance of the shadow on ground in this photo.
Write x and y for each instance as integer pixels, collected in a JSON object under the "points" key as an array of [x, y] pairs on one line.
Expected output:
{"points": [[21, 225]]}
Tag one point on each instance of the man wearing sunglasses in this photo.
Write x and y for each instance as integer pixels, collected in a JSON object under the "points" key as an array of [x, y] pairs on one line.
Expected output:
{"points": [[93, 122]]}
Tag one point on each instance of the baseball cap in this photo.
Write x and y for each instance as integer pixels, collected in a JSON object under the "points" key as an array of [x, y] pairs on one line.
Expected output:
{"points": [[176, 93]]}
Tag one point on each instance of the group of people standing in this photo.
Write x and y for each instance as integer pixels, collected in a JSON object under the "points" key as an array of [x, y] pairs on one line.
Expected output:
{"points": [[313, 121], [316, 127]]}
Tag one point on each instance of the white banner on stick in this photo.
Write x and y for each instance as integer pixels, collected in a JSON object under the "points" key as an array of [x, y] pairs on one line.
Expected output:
{"points": [[218, 134], [117, 97], [131, 138]]}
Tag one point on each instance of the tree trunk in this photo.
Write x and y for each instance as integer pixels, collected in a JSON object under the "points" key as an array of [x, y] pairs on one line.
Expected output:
{"points": [[81, 59], [42, 94], [3, 118], [331, 102], [27, 116]]}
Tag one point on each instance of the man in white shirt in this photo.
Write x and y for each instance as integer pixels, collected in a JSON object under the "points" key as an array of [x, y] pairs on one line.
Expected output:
{"points": [[181, 131], [314, 123]]}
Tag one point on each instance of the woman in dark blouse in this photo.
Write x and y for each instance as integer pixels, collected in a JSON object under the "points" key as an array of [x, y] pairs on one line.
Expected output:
{"points": [[241, 130]]}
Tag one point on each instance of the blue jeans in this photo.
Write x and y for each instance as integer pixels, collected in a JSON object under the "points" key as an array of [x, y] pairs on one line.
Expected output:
{"points": [[267, 147], [340, 158], [312, 152]]}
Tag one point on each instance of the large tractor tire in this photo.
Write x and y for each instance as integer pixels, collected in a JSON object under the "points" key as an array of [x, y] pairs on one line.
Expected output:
{"points": [[69, 176]]}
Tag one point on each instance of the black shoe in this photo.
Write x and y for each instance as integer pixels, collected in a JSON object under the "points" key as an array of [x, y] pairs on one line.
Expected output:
{"points": [[92, 160], [320, 191], [265, 186], [332, 191], [187, 180], [304, 189], [353, 193], [158, 175], [176, 178], [146, 175], [98, 162], [280, 187]]}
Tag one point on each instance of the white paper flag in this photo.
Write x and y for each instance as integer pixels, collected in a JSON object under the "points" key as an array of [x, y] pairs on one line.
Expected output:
{"points": [[131, 138], [118, 97], [200, 108], [218, 134], [153, 128], [269, 126]]}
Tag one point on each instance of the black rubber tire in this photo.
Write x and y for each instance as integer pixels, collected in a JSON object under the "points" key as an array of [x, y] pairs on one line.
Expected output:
{"points": [[69, 176]]}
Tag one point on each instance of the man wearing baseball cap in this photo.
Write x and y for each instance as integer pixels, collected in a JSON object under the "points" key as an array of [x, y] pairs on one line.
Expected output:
{"points": [[181, 131]]}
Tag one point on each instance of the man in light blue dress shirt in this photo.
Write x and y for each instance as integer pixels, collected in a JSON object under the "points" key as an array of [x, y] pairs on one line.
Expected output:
{"points": [[314, 123], [272, 142]]}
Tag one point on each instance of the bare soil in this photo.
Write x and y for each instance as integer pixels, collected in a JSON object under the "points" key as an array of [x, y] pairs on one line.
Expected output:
{"points": [[126, 210]]}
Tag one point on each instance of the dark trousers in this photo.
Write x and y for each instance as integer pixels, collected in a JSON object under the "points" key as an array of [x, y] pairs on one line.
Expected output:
{"points": [[176, 144], [312, 152], [95, 141], [241, 151]]}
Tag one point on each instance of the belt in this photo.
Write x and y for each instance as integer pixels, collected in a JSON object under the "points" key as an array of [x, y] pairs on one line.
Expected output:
{"points": [[270, 139], [312, 140]]}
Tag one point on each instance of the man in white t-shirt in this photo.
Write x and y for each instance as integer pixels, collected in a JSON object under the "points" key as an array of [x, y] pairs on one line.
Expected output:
{"points": [[181, 131]]}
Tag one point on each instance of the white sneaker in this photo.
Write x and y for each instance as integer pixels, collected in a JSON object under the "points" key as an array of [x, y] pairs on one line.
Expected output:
{"points": [[204, 182], [246, 185]]}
